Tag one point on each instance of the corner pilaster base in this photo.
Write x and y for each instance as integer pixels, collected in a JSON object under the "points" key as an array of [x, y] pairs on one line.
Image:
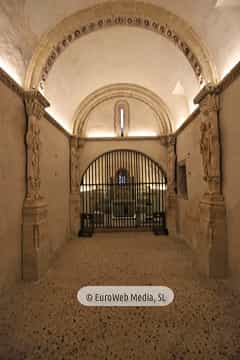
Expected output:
{"points": [[36, 249], [212, 248], [75, 211]]}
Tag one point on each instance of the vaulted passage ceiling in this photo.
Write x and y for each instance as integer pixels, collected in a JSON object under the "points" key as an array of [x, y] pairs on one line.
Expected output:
{"points": [[203, 45]]}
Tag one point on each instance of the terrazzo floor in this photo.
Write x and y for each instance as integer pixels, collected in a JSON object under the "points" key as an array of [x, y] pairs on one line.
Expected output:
{"points": [[45, 321]]}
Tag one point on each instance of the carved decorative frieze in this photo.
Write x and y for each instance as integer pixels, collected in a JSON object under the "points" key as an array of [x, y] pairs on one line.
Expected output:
{"points": [[35, 105], [75, 145], [146, 23]]}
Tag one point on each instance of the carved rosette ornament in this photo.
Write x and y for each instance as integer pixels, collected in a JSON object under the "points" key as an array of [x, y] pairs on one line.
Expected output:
{"points": [[35, 105]]}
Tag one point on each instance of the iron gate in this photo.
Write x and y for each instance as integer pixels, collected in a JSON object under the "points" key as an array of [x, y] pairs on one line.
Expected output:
{"points": [[123, 189]]}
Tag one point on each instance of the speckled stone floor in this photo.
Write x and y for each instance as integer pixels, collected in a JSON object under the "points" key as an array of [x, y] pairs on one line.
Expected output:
{"points": [[45, 321]]}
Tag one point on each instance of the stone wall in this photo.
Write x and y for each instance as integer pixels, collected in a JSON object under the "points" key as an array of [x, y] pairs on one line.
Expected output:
{"points": [[230, 135], [12, 184], [55, 182], [188, 210]]}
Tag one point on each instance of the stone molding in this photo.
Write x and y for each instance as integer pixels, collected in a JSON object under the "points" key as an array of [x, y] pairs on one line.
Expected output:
{"points": [[49, 118], [162, 139], [188, 121], [229, 78], [120, 13], [18, 90], [11, 84], [220, 88], [122, 91]]}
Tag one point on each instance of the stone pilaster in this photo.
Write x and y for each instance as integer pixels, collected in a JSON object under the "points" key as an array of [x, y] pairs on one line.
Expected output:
{"points": [[212, 247], [75, 201], [171, 191], [35, 242]]}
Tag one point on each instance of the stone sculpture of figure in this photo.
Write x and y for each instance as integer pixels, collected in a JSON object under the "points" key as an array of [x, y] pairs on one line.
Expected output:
{"points": [[75, 165], [33, 150], [210, 145]]}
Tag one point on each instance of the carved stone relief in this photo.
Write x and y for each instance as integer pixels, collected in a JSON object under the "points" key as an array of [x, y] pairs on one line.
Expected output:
{"points": [[75, 164], [171, 164], [210, 141], [35, 105], [36, 248], [211, 249]]}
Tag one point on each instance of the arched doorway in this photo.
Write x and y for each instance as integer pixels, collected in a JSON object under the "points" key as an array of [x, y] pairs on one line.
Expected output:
{"points": [[123, 189]]}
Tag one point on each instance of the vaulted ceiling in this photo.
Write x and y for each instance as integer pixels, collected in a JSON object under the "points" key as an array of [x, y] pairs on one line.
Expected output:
{"points": [[31, 31]]}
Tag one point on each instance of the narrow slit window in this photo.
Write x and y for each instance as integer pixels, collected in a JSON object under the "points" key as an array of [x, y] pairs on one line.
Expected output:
{"points": [[122, 120]]}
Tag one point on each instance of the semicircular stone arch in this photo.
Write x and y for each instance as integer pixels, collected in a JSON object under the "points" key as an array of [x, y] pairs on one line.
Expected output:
{"points": [[156, 151], [103, 154], [121, 13], [123, 92]]}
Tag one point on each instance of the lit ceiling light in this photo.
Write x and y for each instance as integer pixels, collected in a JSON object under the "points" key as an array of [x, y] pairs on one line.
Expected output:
{"points": [[8, 68]]}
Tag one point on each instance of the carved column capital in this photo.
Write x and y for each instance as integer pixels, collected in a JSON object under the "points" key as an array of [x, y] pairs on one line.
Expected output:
{"points": [[163, 140], [35, 103], [171, 140], [209, 90]]}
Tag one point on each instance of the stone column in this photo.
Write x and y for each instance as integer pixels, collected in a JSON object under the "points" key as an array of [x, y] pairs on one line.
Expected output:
{"points": [[35, 243], [212, 247], [75, 204], [171, 190]]}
